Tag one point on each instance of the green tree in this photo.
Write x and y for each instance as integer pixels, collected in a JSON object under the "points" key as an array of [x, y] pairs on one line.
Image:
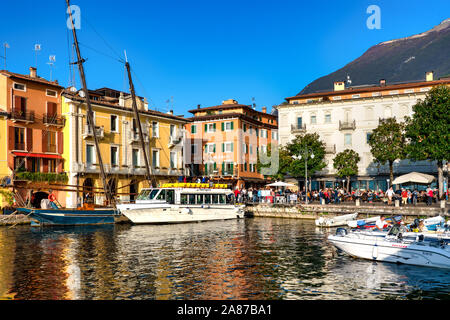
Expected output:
{"points": [[428, 131], [388, 143], [310, 141], [346, 164]]}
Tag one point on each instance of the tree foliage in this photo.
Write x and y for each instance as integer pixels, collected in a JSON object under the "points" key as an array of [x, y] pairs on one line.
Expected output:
{"points": [[388, 143], [346, 163]]}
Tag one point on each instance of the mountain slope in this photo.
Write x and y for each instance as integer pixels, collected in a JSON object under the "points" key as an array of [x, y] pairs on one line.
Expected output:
{"points": [[400, 60]]}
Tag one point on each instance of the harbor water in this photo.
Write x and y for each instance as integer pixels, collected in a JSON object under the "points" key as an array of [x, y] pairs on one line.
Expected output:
{"points": [[256, 258]]}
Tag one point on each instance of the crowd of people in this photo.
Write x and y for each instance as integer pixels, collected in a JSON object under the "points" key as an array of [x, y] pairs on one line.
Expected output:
{"points": [[336, 196]]}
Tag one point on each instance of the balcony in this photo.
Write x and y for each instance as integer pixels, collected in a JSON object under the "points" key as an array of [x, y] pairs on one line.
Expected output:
{"points": [[295, 128], [134, 137], [347, 125], [54, 120], [330, 149], [175, 139], [88, 132], [19, 115]]}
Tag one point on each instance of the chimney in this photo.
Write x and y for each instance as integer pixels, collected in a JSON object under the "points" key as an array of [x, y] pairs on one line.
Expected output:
{"points": [[383, 83], [429, 76], [122, 100], [33, 72], [199, 106], [170, 112], [339, 85], [264, 109]]}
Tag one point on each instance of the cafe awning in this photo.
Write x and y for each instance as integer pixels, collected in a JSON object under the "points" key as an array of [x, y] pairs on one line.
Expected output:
{"points": [[37, 155], [414, 177]]}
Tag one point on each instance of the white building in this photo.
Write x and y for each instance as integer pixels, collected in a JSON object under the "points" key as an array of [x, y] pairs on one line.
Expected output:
{"points": [[344, 119]]}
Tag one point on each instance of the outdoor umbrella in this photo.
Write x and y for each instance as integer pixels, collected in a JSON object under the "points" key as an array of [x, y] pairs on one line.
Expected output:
{"points": [[280, 184], [414, 177]]}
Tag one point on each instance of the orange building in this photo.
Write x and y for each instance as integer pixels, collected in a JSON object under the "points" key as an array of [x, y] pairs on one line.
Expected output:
{"points": [[31, 152], [223, 142]]}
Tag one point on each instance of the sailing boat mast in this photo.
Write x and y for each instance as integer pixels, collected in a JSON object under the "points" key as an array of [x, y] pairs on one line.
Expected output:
{"points": [[90, 119], [139, 125]]}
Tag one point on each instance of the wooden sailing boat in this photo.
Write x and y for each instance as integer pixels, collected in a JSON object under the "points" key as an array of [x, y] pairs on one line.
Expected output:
{"points": [[88, 215]]}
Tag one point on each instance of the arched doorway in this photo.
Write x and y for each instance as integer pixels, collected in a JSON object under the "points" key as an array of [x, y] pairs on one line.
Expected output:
{"points": [[133, 190], [88, 188]]}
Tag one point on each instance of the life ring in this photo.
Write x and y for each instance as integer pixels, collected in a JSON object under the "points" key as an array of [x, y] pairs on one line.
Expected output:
{"points": [[51, 197]]}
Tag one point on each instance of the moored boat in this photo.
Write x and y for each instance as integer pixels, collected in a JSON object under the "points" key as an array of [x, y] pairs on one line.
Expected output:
{"points": [[182, 203], [335, 221], [393, 247]]}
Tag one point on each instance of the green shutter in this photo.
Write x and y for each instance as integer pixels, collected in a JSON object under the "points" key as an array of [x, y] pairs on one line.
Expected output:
{"points": [[215, 166], [214, 149], [206, 168], [223, 126], [206, 128], [214, 126], [223, 147], [231, 167], [245, 127], [232, 147], [232, 125], [223, 168]]}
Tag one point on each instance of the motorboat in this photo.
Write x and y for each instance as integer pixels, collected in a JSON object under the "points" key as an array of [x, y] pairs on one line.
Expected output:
{"points": [[335, 221], [369, 223], [394, 247], [182, 203]]}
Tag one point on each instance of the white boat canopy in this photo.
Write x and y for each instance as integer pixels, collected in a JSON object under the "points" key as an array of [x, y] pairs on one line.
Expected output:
{"points": [[414, 177], [280, 184]]}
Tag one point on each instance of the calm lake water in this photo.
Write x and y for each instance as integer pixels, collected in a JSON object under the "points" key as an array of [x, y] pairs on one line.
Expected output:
{"points": [[260, 258]]}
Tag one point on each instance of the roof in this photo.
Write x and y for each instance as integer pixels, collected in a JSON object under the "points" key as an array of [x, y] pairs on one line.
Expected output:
{"points": [[28, 78], [230, 106], [406, 85], [231, 115], [76, 97]]}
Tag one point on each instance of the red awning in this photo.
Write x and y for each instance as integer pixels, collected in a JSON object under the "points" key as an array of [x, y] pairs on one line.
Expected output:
{"points": [[37, 155]]}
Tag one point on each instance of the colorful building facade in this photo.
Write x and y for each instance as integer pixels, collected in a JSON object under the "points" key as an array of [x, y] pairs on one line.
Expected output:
{"points": [[32, 139], [223, 143], [120, 145]]}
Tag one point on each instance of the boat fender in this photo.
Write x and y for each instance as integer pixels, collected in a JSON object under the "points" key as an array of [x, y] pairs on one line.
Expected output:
{"points": [[341, 232]]}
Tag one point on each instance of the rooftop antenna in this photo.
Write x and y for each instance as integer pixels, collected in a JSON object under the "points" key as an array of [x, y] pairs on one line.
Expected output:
{"points": [[254, 103], [52, 60], [37, 49], [349, 81], [5, 46]]}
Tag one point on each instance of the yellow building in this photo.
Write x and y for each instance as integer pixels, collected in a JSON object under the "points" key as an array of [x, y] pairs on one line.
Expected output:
{"points": [[119, 144]]}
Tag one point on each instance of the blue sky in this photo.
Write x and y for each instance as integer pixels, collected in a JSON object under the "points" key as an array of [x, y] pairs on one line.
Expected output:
{"points": [[203, 52]]}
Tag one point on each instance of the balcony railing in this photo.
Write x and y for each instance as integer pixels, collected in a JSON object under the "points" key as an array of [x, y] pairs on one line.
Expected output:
{"points": [[134, 137], [88, 132], [175, 139], [347, 125], [330, 149], [19, 115], [295, 128], [54, 120]]}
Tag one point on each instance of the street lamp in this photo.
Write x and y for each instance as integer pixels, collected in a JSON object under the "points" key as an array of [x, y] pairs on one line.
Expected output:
{"points": [[388, 185], [305, 154], [343, 181]]}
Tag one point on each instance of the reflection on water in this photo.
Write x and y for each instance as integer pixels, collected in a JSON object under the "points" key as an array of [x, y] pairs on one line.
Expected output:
{"points": [[261, 258]]}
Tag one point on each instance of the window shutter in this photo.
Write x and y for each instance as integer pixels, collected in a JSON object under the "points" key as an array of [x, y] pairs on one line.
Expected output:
{"points": [[206, 168], [232, 125], [44, 141], [214, 149], [206, 128], [223, 126], [29, 139], [231, 168], [17, 103], [223, 168], [232, 147], [245, 127], [215, 166], [12, 138], [223, 147], [214, 126], [60, 143]]}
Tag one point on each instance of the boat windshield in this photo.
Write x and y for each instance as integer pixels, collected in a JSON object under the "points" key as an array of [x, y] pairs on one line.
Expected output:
{"points": [[148, 194]]}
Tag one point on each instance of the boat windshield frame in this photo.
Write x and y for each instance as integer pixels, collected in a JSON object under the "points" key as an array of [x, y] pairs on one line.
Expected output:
{"points": [[148, 194]]}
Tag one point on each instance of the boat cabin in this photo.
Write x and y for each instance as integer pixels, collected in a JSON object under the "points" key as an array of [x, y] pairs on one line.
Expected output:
{"points": [[186, 196]]}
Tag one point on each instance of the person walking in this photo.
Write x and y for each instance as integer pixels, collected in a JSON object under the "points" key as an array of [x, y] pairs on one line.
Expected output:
{"points": [[390, 193]]}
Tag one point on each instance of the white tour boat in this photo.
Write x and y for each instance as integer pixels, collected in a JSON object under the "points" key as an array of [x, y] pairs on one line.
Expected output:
{"points": [[394, 247], [182, 203]]}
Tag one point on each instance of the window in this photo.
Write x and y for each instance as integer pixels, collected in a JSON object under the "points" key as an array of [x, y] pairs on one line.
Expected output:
{"points": [[155, 129], [210, 148], [35, 165], [227, 147], [19, 138], [135, 157], [20, 87], [193, 128], [251, 149], [328, 118], [210, 127], [227, 168], [274, 135], [173, 160], [193, 149], [368, 134], [299, 122], [313, 119], [264, 149], [51, 165], [90, 158], [114, 156], [172, 130], [227, 126], [51, 93], [245, 148], [348, 139], [114, 123], [155, 158], [51, 142], [263, 133]]}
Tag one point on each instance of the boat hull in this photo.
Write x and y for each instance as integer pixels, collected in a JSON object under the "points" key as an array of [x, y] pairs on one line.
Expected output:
{"points": [[68, 217], [336, 221], [394, 252], [170, 215]]}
